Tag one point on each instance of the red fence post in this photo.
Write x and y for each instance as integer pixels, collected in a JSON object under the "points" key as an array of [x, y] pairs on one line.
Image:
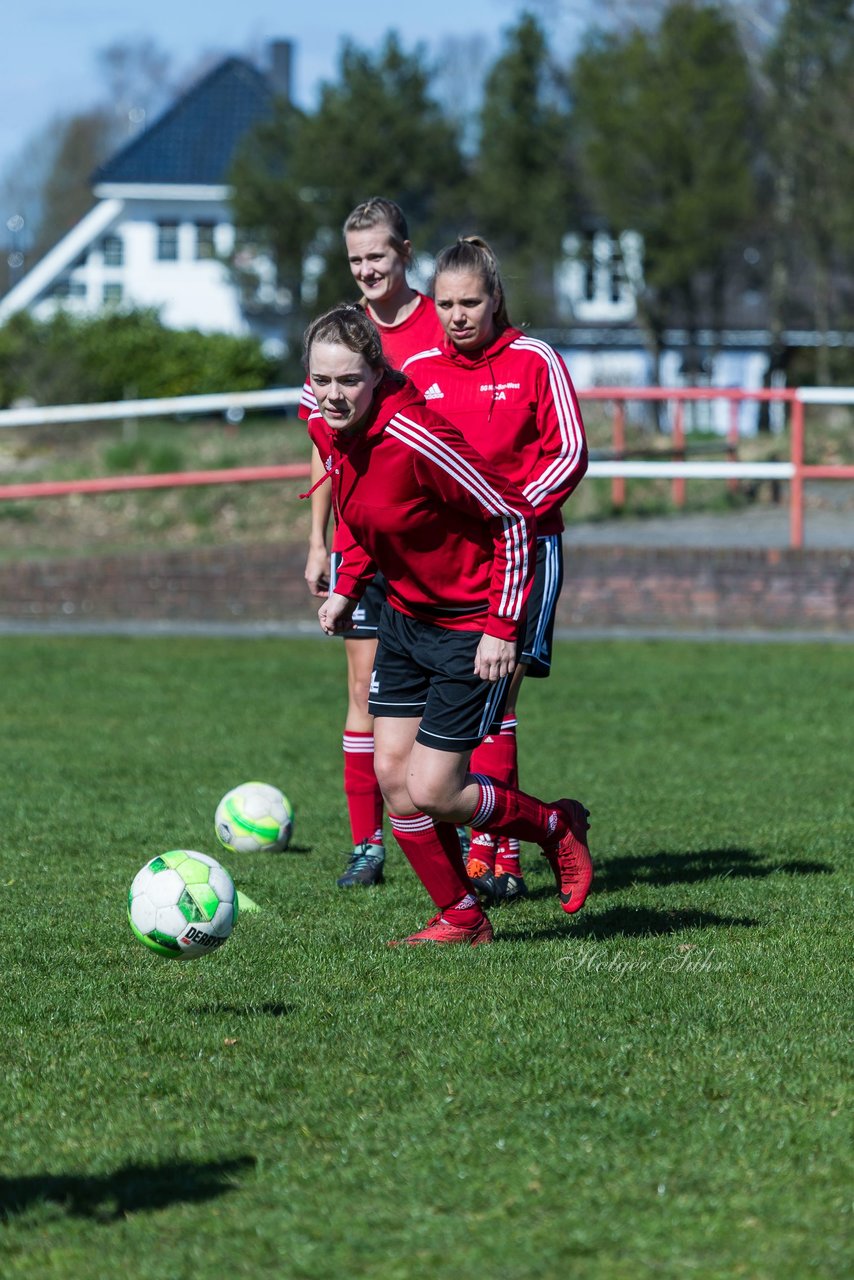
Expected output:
{"points": [[679, 451], [732, 442], [618, 483], [796, 488]]}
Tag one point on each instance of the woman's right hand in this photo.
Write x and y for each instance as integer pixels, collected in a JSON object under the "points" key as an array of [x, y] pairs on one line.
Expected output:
{"points": [[336, 615], [317, 571]]}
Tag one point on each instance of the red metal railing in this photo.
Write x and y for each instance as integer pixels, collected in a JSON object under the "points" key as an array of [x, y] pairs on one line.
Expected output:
{"points": [[678, 468], [165, 480], [678, 396], [796, 471]]}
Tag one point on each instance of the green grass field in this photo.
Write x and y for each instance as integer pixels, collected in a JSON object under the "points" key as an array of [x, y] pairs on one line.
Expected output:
{"points": [[657, 1087]]}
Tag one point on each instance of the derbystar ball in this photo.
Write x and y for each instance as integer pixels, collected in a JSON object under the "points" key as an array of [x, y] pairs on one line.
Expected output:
{"points": [[182, 904], [254, 818]]}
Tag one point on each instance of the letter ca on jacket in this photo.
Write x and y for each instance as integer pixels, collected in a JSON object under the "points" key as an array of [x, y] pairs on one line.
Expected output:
{"points": [[499, 391]]}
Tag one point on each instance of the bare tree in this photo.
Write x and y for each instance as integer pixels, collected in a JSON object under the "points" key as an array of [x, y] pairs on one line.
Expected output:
{"points": [[48, 183], [461, 64], [757, 21], [138, 80]]}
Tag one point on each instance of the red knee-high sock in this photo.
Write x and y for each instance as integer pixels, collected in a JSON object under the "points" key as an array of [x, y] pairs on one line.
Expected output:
{"points": [[361, 789], [507, 857], [507, 811], [495, 757], [508, 851], [433, 851], [508, 731]]}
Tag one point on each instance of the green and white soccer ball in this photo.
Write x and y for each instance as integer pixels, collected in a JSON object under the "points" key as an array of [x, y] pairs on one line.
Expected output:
{"points": [[182, 904], [254, 818]]}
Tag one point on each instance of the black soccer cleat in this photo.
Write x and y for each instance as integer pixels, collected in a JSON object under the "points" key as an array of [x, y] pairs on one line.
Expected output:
{"points": [[482, 881], [509, 888], [365, 866]]}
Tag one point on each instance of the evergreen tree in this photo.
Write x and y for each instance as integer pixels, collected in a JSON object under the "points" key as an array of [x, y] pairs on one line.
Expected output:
{"points": [[664, 128], [811, 137], [376, 131], [275, 222], [524, 194]]}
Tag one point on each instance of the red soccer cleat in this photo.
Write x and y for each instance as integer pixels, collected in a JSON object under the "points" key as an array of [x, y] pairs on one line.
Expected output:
{"points": [[439, 930], [569, 857]]}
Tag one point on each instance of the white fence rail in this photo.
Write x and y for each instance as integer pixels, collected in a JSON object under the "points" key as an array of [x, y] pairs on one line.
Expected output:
{"points": [[677, 470], [665, 470], [222, 402]]}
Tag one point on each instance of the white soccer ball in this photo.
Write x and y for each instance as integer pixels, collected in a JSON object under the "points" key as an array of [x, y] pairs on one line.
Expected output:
{"points": [[182, 904], [254, 818]]}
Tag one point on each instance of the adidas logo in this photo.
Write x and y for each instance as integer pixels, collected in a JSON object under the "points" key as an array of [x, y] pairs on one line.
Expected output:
{"points": [[434, 393]]}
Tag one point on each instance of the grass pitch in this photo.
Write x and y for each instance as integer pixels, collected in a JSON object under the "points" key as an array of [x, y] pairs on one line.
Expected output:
{"points": [[655, 1087]]}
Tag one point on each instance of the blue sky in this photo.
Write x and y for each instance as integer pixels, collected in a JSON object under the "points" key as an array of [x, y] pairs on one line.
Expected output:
{"points": [[48, 48]]}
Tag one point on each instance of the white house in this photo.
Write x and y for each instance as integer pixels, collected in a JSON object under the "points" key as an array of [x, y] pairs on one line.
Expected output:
{"points": [[161, 225]]}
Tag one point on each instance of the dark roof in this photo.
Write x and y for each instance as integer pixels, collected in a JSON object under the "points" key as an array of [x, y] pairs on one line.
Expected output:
{"points": [[194, 141]]}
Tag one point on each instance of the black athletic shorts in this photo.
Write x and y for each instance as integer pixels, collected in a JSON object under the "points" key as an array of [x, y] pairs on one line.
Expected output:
{"points": [[366, 615], [542, 606], [426, 671]]}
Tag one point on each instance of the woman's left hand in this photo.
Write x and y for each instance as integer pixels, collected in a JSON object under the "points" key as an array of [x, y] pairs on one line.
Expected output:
{"points": [[494, 658], [335, 614]]}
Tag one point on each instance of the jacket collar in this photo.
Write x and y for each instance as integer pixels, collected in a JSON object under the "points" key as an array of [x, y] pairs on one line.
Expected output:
{"points": [[485, 354]]}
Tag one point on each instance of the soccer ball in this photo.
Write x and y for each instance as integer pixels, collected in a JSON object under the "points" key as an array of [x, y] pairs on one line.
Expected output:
{"points": [[182, 904], [254, 818]]}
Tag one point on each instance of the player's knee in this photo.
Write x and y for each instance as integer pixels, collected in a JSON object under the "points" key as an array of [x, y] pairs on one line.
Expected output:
{"points": [[431, 796], [391, 776]]}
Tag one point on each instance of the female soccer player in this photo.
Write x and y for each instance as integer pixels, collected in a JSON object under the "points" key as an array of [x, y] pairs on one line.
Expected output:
{"points": [[379, 251], [512, 398], [454, 541]]}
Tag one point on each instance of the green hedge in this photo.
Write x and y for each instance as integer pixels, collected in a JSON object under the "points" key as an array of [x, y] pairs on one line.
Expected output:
{"points": [[68, 360]]}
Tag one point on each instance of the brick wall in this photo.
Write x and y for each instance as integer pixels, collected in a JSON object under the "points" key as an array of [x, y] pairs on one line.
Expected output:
{"points": [[717, 589], [605, 587]]}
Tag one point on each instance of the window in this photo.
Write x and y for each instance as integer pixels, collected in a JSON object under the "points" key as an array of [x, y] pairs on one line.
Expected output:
{"points": [[113, 250], [167, 241], [589, 279], [68, 289], [618, 278], [113, 294], [205, 247]]}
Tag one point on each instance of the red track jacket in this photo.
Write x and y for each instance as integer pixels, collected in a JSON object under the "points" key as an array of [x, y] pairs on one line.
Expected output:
{"points": [[453, 537], [515, 402]]}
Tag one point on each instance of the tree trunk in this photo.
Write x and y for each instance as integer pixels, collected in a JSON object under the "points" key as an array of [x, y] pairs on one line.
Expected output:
{"points": [[822, 321], [652, 328]]}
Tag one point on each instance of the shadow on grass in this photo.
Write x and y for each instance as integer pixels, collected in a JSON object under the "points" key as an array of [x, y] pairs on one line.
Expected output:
{"points": [[630, 922], [699, 864], [244, 1010], [107, 1197]]}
